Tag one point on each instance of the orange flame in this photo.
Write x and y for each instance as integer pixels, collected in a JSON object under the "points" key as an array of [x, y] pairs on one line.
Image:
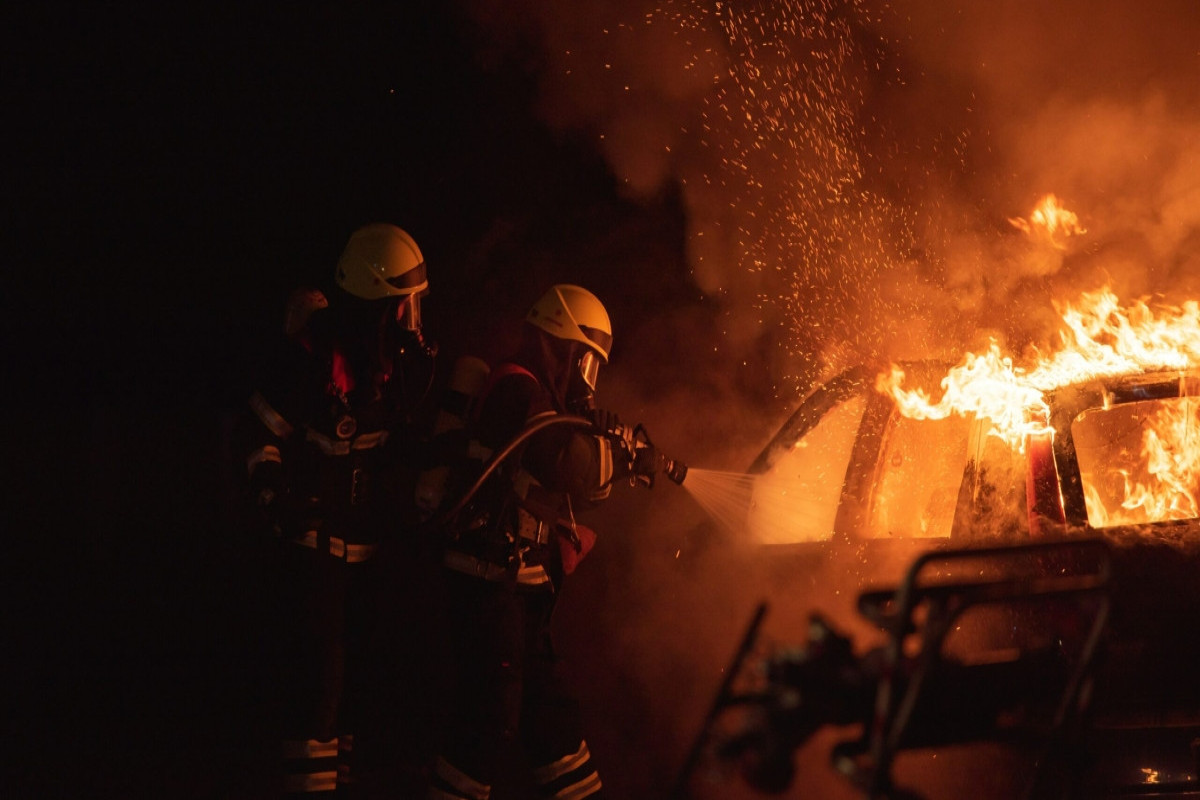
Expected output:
{"points": [[1167, 488], [986, 386], [1100, 339], [1049, 220]]}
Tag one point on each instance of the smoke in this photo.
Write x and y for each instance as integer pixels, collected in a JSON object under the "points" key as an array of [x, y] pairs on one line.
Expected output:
{"points": [[848, 170], [1095, 103]]}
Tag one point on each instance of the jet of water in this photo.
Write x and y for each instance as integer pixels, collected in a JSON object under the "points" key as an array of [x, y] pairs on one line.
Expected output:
{"points": [[725, 496]]}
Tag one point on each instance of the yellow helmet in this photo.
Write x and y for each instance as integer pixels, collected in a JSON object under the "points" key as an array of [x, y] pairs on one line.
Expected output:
{"points": [[573, 313], [379, 261]]}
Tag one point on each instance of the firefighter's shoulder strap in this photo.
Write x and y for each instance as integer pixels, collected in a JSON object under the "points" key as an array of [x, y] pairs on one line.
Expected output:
{"points": [[537, 509], [504, 370], [455, 454], [520, 478]]}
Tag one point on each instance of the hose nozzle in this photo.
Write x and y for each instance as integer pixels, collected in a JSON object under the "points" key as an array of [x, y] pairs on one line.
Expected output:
{"points": [[645, 458], [675, 470]]}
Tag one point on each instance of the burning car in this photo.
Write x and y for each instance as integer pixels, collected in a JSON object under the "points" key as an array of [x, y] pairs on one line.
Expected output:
{"points": [[1052, 602]]}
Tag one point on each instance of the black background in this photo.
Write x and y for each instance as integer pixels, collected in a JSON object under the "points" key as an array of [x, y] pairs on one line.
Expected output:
{"points": [[171, 175]]}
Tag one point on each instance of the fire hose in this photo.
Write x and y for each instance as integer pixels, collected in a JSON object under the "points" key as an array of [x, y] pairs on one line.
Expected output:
{"points": [[633, 440]]}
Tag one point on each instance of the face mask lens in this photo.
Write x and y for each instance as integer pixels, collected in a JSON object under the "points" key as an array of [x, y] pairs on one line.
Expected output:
{"points": [[589, 368], [408, 313]]}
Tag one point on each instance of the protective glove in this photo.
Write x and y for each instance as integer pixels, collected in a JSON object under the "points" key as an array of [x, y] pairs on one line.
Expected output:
{"points": [[605, 421], [647, 462], [288, 514]]}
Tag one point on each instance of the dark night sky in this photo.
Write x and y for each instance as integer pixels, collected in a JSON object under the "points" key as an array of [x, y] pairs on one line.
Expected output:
{"points": [[185, 162], [175, 173]]}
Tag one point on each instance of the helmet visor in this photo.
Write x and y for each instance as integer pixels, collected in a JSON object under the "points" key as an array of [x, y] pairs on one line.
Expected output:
{"points": [[408, 313], [602, 338], [409, 279], [589, 368]]}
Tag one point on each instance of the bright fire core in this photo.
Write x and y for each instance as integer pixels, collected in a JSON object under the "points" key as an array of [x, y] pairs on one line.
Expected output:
{"points": [[1124, 380], [1140, 463]]}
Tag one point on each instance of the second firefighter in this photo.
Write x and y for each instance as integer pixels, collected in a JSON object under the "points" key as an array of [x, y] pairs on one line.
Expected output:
{"points": [[509, 545]]}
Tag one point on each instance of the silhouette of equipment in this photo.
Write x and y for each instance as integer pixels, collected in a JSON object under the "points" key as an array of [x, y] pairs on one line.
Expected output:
{"points": [[1031, 690]]}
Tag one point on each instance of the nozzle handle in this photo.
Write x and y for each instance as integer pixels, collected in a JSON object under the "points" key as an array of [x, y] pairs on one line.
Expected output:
{"points": [[675, 470], [635, 440]]}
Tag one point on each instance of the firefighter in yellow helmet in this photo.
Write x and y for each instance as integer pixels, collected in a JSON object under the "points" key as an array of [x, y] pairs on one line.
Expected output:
{"points": [[573, 316], [335, 400], [510, 548]]}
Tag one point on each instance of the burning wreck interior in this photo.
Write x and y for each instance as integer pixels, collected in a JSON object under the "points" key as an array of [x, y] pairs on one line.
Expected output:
{"points": [[1047, 603], [913, 292]]}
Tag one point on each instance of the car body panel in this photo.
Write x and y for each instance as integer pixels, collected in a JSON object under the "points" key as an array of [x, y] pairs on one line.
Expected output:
{"points": [[894, 490]]}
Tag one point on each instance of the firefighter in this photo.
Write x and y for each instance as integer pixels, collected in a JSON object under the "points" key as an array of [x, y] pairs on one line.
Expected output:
{"points": [[510, 546], [349, 374]]}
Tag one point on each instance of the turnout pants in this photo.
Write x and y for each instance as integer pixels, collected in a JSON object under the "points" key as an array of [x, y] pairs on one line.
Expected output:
{"points": [[322, 616], [508, 704]]}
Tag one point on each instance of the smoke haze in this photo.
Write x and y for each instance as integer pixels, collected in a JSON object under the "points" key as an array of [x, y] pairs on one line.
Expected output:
{"points": [[848, 172], [847, 168]]}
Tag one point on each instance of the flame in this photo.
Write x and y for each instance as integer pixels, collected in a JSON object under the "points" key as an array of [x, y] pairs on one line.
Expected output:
{"points": [[1166, 487], [1156, 476], [1048, 221], [987, 386], [1099, 339]]}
